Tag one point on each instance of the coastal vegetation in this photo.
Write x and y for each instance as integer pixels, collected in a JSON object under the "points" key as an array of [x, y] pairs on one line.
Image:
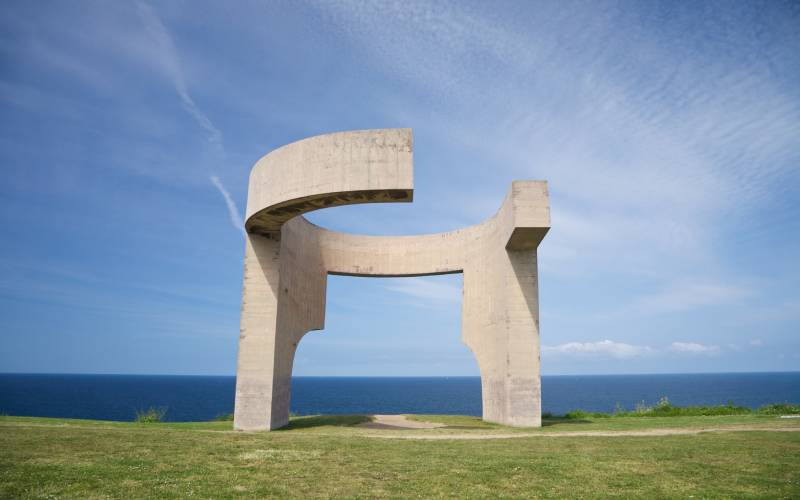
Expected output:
{"points": [[754, 454], [151, 415], [661, 409], [665, 409]]}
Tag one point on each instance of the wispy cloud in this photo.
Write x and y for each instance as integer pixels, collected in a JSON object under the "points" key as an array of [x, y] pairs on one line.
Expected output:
{"points": [[622, 350], [170, 64], [646, 156], [693, 348], [677, 298], [607, 348], [670, 145], [233, 211], [691, 296], [428, 289]]}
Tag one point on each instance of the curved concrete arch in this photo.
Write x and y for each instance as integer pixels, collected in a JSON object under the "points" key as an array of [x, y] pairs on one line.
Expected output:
{"points": [[343, 168], [287, 261]]}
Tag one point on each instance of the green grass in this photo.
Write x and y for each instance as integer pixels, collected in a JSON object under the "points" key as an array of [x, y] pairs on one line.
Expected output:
{"points": [[327, 456]]}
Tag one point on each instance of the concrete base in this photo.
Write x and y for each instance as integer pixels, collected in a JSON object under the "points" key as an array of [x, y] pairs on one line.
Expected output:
{"points": [[287, 261]]}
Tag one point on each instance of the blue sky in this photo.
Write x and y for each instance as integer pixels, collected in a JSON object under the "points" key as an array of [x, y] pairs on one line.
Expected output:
{"points": [[669, 133]]}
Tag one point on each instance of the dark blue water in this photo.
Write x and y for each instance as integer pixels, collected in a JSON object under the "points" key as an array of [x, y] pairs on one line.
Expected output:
{"points": [[118, 397]]}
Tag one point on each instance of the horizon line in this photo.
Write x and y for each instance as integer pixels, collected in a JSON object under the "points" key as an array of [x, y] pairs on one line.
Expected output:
{"points": [[403, 376]]}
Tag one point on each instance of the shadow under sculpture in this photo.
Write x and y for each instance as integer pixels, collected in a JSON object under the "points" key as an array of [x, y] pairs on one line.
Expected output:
{"points": [[288, 259]]}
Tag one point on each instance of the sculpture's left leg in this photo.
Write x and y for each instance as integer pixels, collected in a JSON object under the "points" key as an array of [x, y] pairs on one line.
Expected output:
{"points": [[259, 340], [283, 298]]}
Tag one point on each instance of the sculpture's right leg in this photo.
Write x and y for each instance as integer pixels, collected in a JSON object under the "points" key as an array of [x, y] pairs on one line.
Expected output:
{"points": [[500, 324], [256, 372]]}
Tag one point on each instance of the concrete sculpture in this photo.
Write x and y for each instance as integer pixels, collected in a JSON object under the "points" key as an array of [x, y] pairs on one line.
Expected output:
{"points": [[288, 259]]}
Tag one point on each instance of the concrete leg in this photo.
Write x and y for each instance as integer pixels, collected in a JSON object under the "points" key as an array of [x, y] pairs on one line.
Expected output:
{"points": [[501, 326], [283, 299], [255, 381]]}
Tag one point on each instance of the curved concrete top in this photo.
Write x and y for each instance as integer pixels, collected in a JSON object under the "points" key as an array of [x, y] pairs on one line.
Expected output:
{"points": [[373, 166], [343, 168]]}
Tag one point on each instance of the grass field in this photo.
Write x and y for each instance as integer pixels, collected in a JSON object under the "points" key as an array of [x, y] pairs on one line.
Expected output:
{"points": [[333, 457]]}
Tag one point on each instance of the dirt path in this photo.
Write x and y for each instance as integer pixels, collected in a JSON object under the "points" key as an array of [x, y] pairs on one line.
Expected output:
{"points": [[396, 422], [641, 433], [384, 424]]}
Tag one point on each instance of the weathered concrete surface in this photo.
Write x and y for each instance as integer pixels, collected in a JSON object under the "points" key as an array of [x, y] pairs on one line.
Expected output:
{"points": [[288, 259], [363, 166]]}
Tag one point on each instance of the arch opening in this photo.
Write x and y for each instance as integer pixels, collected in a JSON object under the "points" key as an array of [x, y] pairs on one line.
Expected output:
{"points": [[390, 345]]}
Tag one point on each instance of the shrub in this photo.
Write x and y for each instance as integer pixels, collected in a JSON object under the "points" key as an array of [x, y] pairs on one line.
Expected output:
{"points": [[666, 409], [779, 409], [150, 415], [642, 408], [663, 408], [576, 415], [225, 417], [580, 414]]}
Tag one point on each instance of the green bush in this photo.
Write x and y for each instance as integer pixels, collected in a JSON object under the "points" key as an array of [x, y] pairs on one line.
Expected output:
{"points": [[779, 409], [666, 409], [150, 415], [580, 415], [663, 408]]}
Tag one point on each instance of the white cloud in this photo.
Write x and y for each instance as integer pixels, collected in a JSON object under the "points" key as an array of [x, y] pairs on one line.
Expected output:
{"points": [[756, 343], [426, 288], [693, 348], [169, 62], [601, 348], [233, 211]]}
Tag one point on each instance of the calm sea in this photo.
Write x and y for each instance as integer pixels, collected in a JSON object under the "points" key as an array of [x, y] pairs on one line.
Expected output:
{"points": [[118, 397]]}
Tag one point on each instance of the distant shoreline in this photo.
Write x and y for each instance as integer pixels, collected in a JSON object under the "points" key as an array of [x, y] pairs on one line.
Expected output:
{"points": [[204, 397]]}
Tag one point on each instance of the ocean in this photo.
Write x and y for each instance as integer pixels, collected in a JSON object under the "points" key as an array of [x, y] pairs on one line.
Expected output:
{"points": [[200, 398]]}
